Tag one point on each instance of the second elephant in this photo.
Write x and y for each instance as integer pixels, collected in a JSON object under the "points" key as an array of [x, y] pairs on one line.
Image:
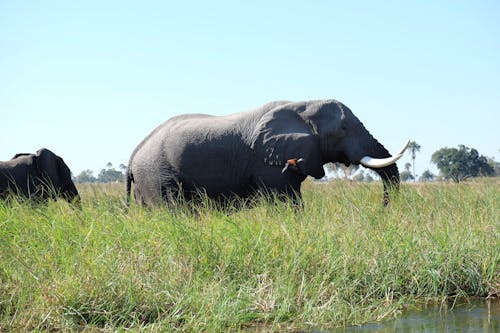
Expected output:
{"points": [[42, 175]]}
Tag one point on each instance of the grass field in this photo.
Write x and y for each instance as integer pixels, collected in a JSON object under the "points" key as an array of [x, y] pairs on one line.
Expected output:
{"points": [[344, 260]]}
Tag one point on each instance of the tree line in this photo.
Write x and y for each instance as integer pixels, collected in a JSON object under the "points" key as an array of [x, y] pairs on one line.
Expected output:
{"points": [[455, 164], [107, 175]]}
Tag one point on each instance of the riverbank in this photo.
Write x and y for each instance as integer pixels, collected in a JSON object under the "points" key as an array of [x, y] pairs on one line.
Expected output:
{"points": [[467, 315], [344, 260]]}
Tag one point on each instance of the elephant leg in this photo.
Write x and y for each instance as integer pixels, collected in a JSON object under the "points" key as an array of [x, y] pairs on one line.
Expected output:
{"points": [[147, 190], [171, 191], [276, 185], [139, 198], [154, 184], [293, 194]]}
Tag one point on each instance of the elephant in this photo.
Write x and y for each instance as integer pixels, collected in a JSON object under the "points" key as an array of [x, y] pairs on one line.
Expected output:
{"points": [[270, 149], [38, 176]]}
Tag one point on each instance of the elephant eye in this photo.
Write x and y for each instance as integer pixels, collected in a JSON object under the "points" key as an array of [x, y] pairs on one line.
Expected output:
{"points": [[343, 127]]}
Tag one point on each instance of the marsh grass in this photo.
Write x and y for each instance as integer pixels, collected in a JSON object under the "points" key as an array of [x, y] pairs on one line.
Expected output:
{"points": [[343, 260]]}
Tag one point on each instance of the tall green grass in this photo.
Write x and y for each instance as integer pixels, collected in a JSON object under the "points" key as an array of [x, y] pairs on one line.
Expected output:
{"points": [[343, 260]]}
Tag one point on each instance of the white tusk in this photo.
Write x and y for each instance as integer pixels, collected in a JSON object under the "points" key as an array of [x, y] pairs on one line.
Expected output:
{"points": [[402, 151], [372, 162]]}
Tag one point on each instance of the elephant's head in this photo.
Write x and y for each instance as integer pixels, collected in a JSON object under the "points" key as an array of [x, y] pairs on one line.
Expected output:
{"points": [[55, 176], [320, 132]]}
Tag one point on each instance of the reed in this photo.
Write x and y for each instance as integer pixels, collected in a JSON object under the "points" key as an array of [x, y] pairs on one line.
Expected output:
{"points": [[343, 260]]}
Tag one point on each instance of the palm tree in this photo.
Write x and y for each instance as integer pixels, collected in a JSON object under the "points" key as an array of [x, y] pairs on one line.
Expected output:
{"points": [[413, 148], [406, 175]]}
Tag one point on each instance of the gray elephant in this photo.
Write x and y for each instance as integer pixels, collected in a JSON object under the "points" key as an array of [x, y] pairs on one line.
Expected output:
{"points": [[42, 175], [270, 149]]}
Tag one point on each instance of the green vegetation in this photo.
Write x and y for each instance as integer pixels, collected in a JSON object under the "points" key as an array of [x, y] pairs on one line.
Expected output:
{"points": [[108, 175], [344, 260], [427, 176], [462, 163]]}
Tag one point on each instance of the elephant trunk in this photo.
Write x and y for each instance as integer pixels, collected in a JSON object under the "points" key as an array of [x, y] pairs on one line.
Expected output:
{"points": [[70, 193], [387, 168], [390, 178]]}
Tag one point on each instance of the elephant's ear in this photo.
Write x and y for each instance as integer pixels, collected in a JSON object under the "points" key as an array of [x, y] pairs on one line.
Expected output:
{"points": [[49, 167], [282, 134]]}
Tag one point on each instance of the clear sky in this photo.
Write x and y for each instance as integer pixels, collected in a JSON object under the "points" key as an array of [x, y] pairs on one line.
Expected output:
{"points": [[90, 79]]}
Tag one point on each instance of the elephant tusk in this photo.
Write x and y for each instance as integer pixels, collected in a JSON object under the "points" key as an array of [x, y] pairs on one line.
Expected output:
{"points": [[372, 162], [402, 151]]}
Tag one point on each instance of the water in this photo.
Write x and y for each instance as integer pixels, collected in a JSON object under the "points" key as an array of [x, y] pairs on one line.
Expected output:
{"points": [[478, 316]]}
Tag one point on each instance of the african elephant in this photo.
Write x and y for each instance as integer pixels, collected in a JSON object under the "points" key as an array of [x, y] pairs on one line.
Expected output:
{"points": [[271, 149], [42, 175]]}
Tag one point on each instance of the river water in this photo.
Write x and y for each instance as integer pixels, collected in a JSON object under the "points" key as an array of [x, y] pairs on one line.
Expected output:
{"points": [[477, 316]]}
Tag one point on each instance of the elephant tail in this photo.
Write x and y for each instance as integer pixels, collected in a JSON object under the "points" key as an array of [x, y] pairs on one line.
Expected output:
{"points": [[130, 179]]}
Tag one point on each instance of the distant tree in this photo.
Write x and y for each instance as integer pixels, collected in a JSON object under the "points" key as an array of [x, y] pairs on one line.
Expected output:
{"points": [[371, 174], [348, 170], [407, 166], [86, 176], [122, 167], [368, 178], [427, 176], [110, 174], [462, 163], [413, 148], [406, 176], [340, 170], [330, 169], [359, 176], [495, 165]]}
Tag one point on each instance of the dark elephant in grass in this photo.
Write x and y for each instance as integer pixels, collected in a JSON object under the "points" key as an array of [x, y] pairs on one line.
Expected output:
{"points": [[38, 176], [270, 149]]}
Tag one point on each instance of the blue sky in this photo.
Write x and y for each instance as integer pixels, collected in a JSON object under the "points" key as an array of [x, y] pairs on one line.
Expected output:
{"points": [[89, 80]]}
